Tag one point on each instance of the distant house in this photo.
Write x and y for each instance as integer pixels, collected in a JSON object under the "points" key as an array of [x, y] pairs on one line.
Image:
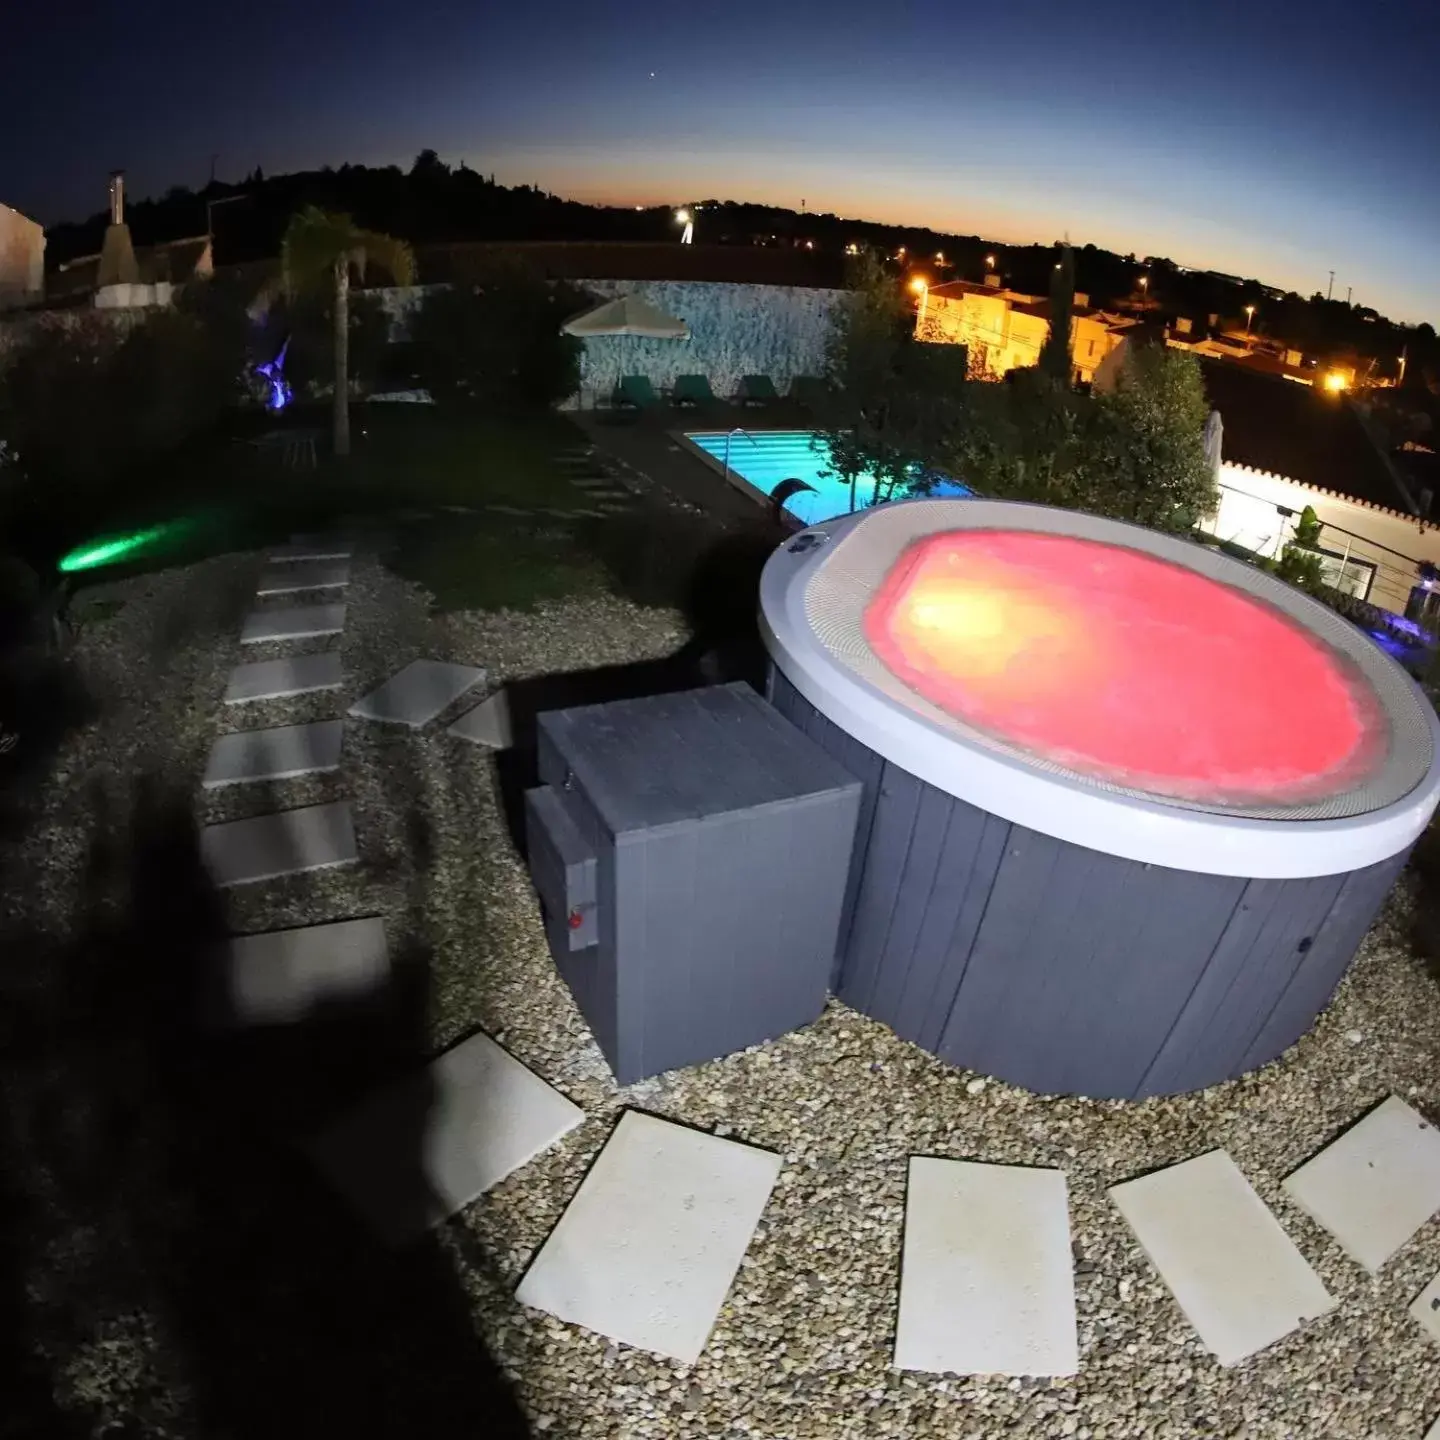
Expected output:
{"points": [[1005, 329], [1288, 446], [1202, 338], [22, 258]]}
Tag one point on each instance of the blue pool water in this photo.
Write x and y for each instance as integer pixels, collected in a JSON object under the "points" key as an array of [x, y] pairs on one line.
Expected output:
{"points": [[766, 457]]}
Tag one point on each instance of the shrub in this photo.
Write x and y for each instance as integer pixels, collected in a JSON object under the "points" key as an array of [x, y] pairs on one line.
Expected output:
{"points": [[497, 344]]}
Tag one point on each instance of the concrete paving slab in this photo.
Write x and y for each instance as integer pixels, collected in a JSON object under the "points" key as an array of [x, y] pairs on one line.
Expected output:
{"points": [[295, 622], [418, 693], [1375, 1186], [304, 575], [1426, 1309], [487, 724], [282, 752], [276, 978], [291, 842], [420, 1150], [987, 1278], [647, 1250], [278, 679], [313, 547], [1231, 1268]]}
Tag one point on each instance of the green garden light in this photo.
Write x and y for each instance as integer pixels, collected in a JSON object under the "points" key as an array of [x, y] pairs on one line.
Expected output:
{"points": [[95, 553]]}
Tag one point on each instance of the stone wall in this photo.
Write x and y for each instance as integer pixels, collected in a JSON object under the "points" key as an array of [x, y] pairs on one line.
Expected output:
{"points": [[735, 330]]}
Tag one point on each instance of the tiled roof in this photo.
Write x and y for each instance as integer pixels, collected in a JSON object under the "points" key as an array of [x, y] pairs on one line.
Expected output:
{"points": [[1274, 425]]}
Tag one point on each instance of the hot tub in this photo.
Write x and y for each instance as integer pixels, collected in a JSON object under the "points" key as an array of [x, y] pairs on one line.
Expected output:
{"points": [[1130, 805]]}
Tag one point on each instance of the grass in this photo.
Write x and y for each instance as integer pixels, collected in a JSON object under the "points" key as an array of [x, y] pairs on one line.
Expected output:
{"points": [[426, 478]]}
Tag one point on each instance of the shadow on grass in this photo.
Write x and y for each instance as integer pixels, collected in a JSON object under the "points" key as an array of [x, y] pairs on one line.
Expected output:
{"points": [[171, 1263]]}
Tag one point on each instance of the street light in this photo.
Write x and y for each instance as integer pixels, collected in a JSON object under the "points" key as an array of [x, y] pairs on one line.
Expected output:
{"points": [[1144, 286], [1249, 316], [921, 287], [989, 262], [687, 235]]}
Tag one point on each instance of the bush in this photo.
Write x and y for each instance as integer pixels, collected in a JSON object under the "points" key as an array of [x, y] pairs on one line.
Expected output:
{"points": [[93, 409], [307, 323], [497, 344]]}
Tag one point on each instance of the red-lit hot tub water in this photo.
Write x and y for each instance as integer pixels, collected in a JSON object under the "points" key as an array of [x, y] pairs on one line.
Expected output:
{"points": [[1130, 805], [1125, 668]]}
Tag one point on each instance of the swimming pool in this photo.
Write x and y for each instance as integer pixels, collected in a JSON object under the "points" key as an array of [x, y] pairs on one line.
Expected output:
{"points": [[763, 458]]}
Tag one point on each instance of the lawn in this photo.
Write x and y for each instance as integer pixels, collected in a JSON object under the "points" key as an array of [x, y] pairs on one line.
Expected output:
{"points": [[422, 478]]}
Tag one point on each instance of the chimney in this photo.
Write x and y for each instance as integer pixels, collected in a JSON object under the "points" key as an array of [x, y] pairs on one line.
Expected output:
{"points": [[117, 254]]}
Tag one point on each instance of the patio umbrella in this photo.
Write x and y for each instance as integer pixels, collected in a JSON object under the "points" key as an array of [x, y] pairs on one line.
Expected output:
{"points": [[629, 315]]}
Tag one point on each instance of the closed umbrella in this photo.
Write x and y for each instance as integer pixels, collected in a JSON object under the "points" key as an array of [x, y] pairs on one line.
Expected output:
{"points": [[629, 315]]}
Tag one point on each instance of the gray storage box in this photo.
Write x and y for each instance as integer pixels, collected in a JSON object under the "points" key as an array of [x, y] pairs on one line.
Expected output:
{"points": [[691, 853]]}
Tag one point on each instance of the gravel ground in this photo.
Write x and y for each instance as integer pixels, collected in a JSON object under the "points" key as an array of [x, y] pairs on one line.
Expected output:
{"points": [[801, 1347]]}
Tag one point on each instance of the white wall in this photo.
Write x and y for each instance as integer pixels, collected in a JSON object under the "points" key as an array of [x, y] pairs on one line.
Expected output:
{"points": [[1390, 541], [22, 258]]}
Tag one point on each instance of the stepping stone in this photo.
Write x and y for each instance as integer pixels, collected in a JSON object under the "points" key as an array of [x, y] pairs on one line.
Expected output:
{"points": [[614, 509], [418, 693], [1375, 1186], [590, 514], [313, 547], [265, 847], [987, 1280], [646, 1251], [281, 753], [418, 1151], [299, 622], [1233, 1271], [278, 977], [459, 509], [508, 510], [592, 482], [304, 575], [487, 724], [1426, 1309], [276, 679], [1433, 1433]]}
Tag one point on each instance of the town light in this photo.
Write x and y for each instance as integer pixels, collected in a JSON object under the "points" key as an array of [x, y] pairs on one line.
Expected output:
{"points": [[1249, 316], [1144, 283], [919, 285], [687, 235], [989, 262], [1336, 381], [939, 257]]}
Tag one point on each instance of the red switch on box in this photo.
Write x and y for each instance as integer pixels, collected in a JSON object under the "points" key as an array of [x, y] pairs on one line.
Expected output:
{"points": [[576, 919]]}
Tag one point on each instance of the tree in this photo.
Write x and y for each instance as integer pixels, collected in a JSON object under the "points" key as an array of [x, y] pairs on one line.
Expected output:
{"points": [[891, 400], [322, 247], [1145, 450], [498, 344], [1055, 353], [1136, 453]]}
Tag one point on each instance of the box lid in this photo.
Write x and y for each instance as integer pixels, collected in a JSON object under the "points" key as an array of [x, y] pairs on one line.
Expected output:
{"points": [[665, 759]]}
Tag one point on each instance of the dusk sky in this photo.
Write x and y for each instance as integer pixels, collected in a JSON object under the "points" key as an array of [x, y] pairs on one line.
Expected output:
{"points": [[1272, 138]]}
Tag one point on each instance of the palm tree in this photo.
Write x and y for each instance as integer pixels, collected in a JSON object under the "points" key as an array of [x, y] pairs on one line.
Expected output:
{"points": [[321, 246]]}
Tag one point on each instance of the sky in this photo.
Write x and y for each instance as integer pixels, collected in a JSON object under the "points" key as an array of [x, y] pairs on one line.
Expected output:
{"points": [[1278, 139]]}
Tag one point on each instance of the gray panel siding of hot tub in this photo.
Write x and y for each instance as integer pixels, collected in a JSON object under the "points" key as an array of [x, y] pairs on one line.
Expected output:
{"points": [[1063, 969]]}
